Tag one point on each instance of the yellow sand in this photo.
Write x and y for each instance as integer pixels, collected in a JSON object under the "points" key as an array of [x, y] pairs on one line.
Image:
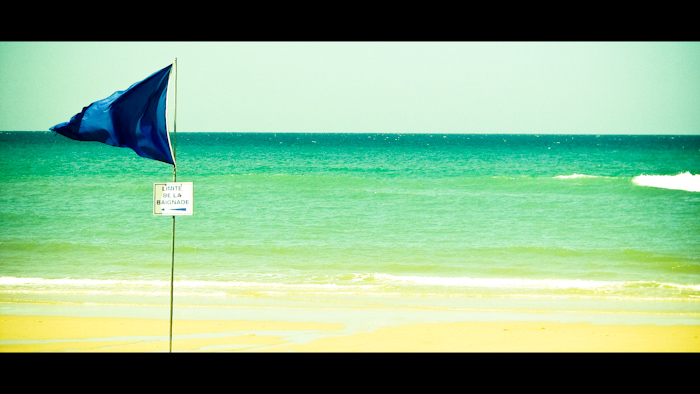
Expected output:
{"points": [[93, 334], [58, 334], [513, 337]]}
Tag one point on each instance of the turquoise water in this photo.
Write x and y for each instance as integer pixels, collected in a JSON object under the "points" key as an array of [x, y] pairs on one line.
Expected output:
{"points": [[356, 215]]}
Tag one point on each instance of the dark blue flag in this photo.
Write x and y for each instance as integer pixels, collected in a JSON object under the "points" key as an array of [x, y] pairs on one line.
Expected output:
{"points": [[133, 118]]}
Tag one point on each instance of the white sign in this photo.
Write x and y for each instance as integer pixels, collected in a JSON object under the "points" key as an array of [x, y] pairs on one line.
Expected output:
{"points": [[173, 198]]}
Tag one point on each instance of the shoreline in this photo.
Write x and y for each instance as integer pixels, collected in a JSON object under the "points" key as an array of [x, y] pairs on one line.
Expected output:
{"points": [[85, 328]]}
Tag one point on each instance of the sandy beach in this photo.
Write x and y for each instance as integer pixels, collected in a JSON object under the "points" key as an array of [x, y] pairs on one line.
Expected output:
{"points": [[20, 333]]}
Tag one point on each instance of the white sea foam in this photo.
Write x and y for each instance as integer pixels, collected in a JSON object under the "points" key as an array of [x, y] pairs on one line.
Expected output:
{"points": [[86, 285], [499, 282], [376, 284], [685, 181], [12, 281], [529, 283]]}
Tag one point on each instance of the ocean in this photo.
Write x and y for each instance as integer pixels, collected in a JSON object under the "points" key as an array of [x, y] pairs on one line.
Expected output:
{"points": [[468, 222]]}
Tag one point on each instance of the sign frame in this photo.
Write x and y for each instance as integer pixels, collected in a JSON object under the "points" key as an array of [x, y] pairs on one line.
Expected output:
{"points": [[173, 199]]}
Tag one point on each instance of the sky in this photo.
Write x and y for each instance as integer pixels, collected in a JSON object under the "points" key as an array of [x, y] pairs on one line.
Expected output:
{"points": [[370, 87]]}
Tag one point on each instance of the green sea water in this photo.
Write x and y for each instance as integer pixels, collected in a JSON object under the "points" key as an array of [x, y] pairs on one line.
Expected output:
{"points": [[292, 216]]}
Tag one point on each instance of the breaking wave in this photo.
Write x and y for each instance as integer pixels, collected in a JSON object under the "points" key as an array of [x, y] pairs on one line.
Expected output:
{"points": [[375, 284], [684, 181]]}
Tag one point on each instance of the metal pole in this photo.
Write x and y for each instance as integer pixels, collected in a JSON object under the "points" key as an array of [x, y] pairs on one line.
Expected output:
{"points": [[172, 277], [172, 266]]}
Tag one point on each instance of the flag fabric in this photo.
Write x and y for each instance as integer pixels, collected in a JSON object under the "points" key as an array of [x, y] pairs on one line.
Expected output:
{"points": [[133, 118]]}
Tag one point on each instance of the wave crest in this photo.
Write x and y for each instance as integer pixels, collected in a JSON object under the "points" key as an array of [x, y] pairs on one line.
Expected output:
{"points": [[684, 181]]}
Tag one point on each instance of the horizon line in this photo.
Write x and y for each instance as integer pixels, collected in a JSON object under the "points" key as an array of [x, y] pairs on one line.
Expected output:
{"points": [[392, 133]]}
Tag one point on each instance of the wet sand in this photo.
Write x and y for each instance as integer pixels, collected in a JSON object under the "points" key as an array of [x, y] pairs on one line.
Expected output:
{"points": [[20, 333]]}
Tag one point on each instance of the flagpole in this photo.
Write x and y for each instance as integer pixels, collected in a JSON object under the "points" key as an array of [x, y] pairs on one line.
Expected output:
{"points": [[172, 266]]}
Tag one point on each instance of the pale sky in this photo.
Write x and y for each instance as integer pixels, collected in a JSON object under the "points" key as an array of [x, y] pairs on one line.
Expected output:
{"points": [[370, 87]]}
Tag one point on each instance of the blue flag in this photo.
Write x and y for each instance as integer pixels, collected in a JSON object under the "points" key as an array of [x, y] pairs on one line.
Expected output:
{"points": [[133, 118]]}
